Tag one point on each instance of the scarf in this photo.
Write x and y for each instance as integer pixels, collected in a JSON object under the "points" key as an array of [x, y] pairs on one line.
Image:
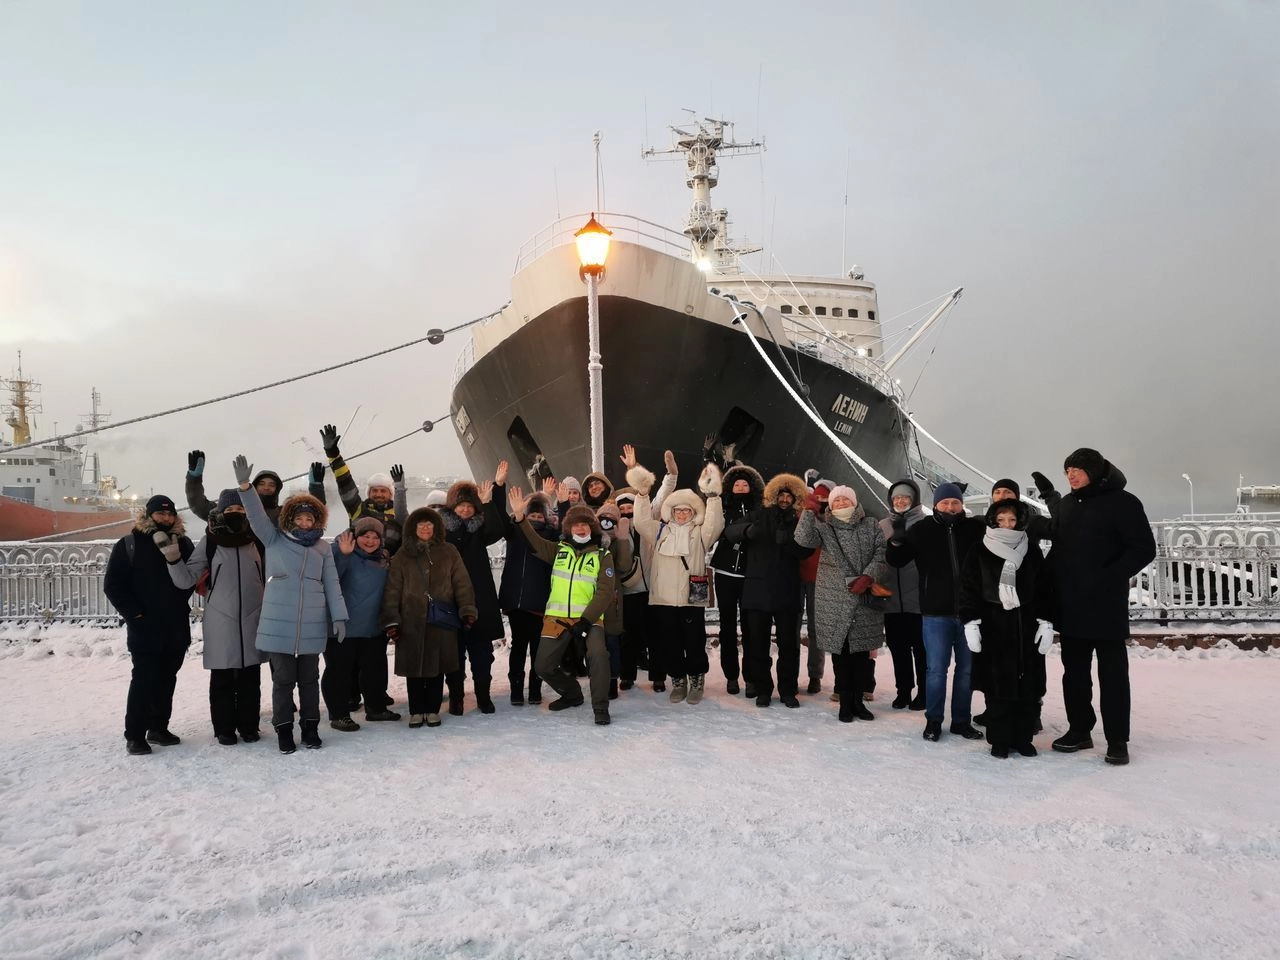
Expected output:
{"points": [[308, 538], [678, 539], [1010, 546]]}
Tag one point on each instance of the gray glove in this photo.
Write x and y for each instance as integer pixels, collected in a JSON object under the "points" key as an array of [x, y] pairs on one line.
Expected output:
{"points": [[243, 468], [169, 545], [340, 630]]}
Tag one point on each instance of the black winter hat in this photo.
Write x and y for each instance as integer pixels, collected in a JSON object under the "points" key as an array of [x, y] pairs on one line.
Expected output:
{"points": [[1090, 461], [160, 502], [1007, 484]]}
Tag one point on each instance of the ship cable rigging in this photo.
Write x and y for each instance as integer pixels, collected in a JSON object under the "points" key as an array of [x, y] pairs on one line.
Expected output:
{"points": [[433, 336], [296, 476]]}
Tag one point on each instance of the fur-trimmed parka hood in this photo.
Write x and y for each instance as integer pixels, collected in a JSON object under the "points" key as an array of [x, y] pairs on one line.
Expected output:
{"points": [[538, 502], [904, 482], [290, 506], [463, 491], [684, 498], [792, 484], [1021, 510], [415, 518], [144, 524], [608, 489], [579, 513], [747, 501]]}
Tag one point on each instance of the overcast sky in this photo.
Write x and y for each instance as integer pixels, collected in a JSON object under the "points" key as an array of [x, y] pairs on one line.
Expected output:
{"points": [[199, 198]]}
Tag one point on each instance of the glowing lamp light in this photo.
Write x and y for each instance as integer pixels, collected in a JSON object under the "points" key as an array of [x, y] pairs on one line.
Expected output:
{"points": [[593, 246], [704, 265]]}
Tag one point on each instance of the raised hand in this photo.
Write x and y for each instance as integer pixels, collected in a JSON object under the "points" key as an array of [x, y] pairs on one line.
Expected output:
{"points": [[317, 473], [1043, 483], [347, 542], [243, 470], [562, 493], [669, 460], [515, 500], [500, 475], [195, 464], [397, 473], [549, 486], [628, 457], [486, 491], [329, 439]]}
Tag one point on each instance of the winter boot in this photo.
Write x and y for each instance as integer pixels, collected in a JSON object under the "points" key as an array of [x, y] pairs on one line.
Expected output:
{"points": [[433, 719], [749, 690], [483, 700], [933, 730], [565, 703], [602, 717], [250, 736], [790, 701], [659, 686], [1000, 751], [861, 712], [535, 690], [848, 705], [917, 702], [613, 689], [763, 700], [1026, 749], [980, 720], [1070, 742], [137, 748], [415, 720], [1117, 754], [226, 739], [966, 730], [697, 682], [902, 700], [679, 689], [626, 684], [345, 724], [517, 691], [455, 701], [311, 734], [815, 685], [284, 733], [731, 687], [163, 738]]}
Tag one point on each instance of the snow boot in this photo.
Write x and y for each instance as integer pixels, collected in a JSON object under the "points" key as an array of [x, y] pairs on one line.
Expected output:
{"points": [[902, 700], [847, 712], [697, 684], [980, 720], [345, 724], [137, 748], [517, 694], [1026, 749], [659, 686], [602, 717], [415, 720], [933, 730], [535, 690], [250, 736], [613, 689], [433, 719], [226, 739], [1071, 742], [750, 690], [163, 738], [311, 734], [284, 734], [1000, 751], [483, 700], [731, 687], [626, 684], [790, 701], [679, 689], [917, 702], [455, 702], [861, 712], [763, 700], [815, 685], [966, 730], [1117, 754]]}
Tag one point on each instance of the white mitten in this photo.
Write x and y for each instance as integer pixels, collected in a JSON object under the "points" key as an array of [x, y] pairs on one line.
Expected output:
{"points": [[169, 545], [1044, 636], [973, 635]]}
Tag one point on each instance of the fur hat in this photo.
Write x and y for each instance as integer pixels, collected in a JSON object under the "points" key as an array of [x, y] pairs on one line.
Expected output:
{"points": [[684, 498], [791, 484], [160, 502], [1090, 461], [436, 498], [379, 480], [302, 503], [415, 518], [538, 503], [947, 491], [464, 491], [1007, 484], [579, 513], [229, 498], [840, 490], [366, 524]]}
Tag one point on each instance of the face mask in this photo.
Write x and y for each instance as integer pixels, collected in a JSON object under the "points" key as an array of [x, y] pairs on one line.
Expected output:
{"points": [[235, 522], [581, 539], [606, 524], [844, 513]]}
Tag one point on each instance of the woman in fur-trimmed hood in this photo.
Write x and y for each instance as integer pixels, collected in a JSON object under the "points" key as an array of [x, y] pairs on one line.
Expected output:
{"points": [[596, 490], [743, 491]]}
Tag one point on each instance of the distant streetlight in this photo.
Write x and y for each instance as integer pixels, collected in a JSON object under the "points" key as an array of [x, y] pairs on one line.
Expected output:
{"points": [[1192, 487], [593, 249]]}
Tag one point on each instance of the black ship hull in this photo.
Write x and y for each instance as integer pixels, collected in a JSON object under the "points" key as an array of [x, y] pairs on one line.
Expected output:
{"points": [[670, 380]]}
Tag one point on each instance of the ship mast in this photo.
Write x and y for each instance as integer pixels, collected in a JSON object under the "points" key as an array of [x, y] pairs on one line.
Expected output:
{"points": [[701, 143], [94, 421], [21, 391]]}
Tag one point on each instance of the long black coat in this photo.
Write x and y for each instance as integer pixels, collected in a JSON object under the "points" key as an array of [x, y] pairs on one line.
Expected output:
{"points": [[1101, 539], [472, 539], [1009, 666], [157, 614], [772, 568], [938, 548]]}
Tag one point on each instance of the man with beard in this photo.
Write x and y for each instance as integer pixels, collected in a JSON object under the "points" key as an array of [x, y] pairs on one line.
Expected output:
{"points": [[385, 499], [157, 617]]}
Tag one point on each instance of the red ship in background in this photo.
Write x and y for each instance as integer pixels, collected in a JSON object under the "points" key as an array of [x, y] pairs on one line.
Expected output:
{"points": [[43, 490]]}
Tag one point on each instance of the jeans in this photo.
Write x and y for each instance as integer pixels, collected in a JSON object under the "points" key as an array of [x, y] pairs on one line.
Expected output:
{"points": [[942, 636]]}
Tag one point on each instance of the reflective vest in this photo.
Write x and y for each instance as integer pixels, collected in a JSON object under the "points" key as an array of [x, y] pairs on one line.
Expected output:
{"points": [[573, 582]]}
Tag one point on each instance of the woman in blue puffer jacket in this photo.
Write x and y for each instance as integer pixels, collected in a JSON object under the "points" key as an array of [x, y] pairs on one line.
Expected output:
{"points": [[302, 598]]}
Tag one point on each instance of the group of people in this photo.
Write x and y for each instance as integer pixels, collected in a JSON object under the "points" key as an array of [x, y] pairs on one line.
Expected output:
{"points": [[604, 582]]}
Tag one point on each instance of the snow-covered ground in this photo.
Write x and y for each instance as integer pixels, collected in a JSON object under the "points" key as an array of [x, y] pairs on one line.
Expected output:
{"points": [[719, 830]]}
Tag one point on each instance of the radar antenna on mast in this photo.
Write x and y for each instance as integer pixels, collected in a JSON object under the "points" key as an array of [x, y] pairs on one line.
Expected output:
{"points": [[701, 143], [21, 390]]}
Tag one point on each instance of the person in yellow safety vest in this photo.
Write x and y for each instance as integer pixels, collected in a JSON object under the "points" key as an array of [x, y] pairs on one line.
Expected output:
{"points": [[582, 587]]}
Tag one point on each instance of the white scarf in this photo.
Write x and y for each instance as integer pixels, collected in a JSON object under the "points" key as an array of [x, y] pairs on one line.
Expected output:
{"points": [[677, 539], [1011, 546]]}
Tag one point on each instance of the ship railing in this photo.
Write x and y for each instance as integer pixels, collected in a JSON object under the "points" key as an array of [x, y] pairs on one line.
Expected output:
{"points": [[466, 357], [831, 350], [62, 582], [625, 227]]}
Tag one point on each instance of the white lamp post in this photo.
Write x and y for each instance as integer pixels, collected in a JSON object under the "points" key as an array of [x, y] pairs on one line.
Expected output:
{"points": [[593, 250], [1192, 487]]}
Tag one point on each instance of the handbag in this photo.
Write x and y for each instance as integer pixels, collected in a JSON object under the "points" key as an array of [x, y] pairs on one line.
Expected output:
{"points": [[699, 588], [439, 613]]}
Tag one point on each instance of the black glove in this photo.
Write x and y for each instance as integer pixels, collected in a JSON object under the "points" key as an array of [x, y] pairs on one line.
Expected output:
{"points": [[1043, 484], [329, 438], [899, 527], [397, 473], [580, 630], [195, 464], [317, 473]]}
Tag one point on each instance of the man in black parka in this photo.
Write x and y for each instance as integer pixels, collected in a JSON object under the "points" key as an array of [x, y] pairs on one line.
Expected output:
{"points": [[1101, 539]]}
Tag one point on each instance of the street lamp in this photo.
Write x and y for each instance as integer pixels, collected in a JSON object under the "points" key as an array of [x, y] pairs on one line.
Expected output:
{"points": [[1192, 486], [593, 249]]}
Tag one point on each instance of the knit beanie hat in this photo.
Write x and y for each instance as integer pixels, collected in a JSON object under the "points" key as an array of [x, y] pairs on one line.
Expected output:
{"points": [[1007, 484], [842, 491], [947, 491], [1090, 461], [366, 524], [573, 484], [379, 480], [305, 508], [903, 490], [823, 488], [229, 498], [160, 502]]}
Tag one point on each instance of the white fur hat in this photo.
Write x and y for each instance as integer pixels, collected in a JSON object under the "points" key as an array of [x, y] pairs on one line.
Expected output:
{"points": [[379, 480], [437, 498]]}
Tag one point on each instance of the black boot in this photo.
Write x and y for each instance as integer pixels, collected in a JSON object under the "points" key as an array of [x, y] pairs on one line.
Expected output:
{"points": [[311, 734], [917, 702], [455, 701], [613, 689], [966, 730], [284, 733], [848, 702], [535, 689], [933, 730], [483, 700], [902, 701], [137, 748], [517, 690]]}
